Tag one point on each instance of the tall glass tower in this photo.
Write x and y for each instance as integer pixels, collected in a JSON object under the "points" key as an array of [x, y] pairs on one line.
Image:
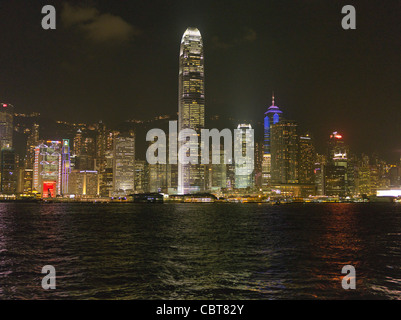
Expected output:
{"points": [[124, 165], [191, 106], [284, 152], [244, 172], [8, 182], [272, 116], [6, 125]]}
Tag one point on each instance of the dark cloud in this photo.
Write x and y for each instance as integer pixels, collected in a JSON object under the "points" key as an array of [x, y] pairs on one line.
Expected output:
{"points": [[98, 27], [247, 36], [73, 15]]}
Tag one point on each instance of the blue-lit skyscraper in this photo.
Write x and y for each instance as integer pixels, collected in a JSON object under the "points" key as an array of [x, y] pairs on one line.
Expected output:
{"points": [[272, 116]]}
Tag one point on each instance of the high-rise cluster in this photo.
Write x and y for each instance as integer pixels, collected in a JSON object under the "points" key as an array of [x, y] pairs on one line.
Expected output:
{"points": [[92, 160]]}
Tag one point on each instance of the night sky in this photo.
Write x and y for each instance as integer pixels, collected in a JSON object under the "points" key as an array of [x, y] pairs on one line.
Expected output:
{"points": [[118, 60]]}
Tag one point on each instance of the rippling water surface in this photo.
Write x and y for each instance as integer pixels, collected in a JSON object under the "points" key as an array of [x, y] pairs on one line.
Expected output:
{"points": [[200, 251]]}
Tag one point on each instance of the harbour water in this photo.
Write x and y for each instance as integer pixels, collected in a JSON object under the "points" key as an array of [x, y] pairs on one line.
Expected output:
{"points": [[200, 251]]}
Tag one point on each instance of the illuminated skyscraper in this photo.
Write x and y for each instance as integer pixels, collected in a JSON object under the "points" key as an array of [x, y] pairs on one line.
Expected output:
{"points": [[336, 178], [6, 125], [259, 152], [319, 174], [244, 172], [307, 159], [100, 160], [337, 150], [101, 144], [216, 174], [27, 181], [32, 142], [65, 165], [124, 165], [51, 168], [157, 177], [83, 183], [141, 175], [191, 105], [8, 171], [106, 188], [284, 151], [364, 176], [272, 116], [78, 143]]}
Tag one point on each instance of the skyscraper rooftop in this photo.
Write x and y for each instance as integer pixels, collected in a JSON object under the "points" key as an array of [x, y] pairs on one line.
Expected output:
{"points": [[191, 33], [273, 108]]}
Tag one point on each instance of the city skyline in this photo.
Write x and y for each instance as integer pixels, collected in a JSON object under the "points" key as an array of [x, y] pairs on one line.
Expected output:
{"points": [[319, 75], [285, 160], [109, 157]]}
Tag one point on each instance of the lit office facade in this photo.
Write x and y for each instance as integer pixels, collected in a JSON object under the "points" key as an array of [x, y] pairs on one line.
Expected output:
{"points": [[32, 142], [284, 151], [8, 171], [307, 159], [244, 172], [52, 168], [6, 125], [124, 165], [84, 183], [336, 170], [191, 105]]}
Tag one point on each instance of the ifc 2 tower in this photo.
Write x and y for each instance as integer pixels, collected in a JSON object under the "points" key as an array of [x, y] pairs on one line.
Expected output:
{"points": [[191, 107]]}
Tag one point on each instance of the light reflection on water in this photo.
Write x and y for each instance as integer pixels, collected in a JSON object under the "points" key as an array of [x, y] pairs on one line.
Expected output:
{"points": [[200, 251]]}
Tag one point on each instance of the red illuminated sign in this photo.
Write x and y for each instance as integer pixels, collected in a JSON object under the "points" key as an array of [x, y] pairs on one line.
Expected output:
{"points": [[49, 189]]}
